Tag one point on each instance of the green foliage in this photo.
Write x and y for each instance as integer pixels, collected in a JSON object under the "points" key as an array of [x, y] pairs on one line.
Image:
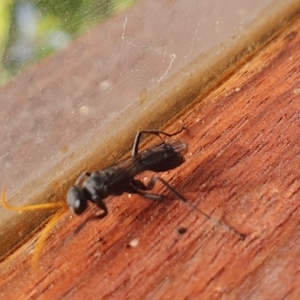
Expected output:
{"points": [[58, 18]]}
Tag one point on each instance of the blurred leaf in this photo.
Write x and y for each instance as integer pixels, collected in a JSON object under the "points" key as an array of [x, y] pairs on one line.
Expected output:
{"points": [[55, 23], [5, 23]]}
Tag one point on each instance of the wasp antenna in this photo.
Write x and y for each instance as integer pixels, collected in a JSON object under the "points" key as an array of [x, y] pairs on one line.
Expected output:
{"points": [[45, 232], [32, 207], [41, 240]]}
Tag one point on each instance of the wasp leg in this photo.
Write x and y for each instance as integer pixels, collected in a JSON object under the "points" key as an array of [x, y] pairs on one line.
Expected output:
{"points": [[155, 132], [81, 176], [139, 185], [99, 202], [150, 185], [155, 197]]}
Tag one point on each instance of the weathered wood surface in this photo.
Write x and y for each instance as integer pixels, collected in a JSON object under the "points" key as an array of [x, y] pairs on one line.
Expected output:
{"points": [[242, 167]]}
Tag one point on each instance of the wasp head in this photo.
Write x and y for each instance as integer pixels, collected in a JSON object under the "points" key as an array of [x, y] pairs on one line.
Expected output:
{"points": [[77, 200]]}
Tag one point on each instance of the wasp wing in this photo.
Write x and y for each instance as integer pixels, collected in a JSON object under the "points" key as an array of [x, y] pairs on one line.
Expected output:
{"points": [[158, 158]]}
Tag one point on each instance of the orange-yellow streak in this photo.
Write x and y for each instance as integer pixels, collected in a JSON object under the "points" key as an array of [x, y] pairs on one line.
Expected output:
{"points": [[31, 207], [45, 232]]}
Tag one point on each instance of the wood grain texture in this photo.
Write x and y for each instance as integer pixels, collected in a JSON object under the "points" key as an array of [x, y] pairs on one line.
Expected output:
{"points": [[242, 167]]}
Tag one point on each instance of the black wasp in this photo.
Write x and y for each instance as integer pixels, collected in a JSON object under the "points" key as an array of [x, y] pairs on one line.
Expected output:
{"points": [[119, 178]]}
